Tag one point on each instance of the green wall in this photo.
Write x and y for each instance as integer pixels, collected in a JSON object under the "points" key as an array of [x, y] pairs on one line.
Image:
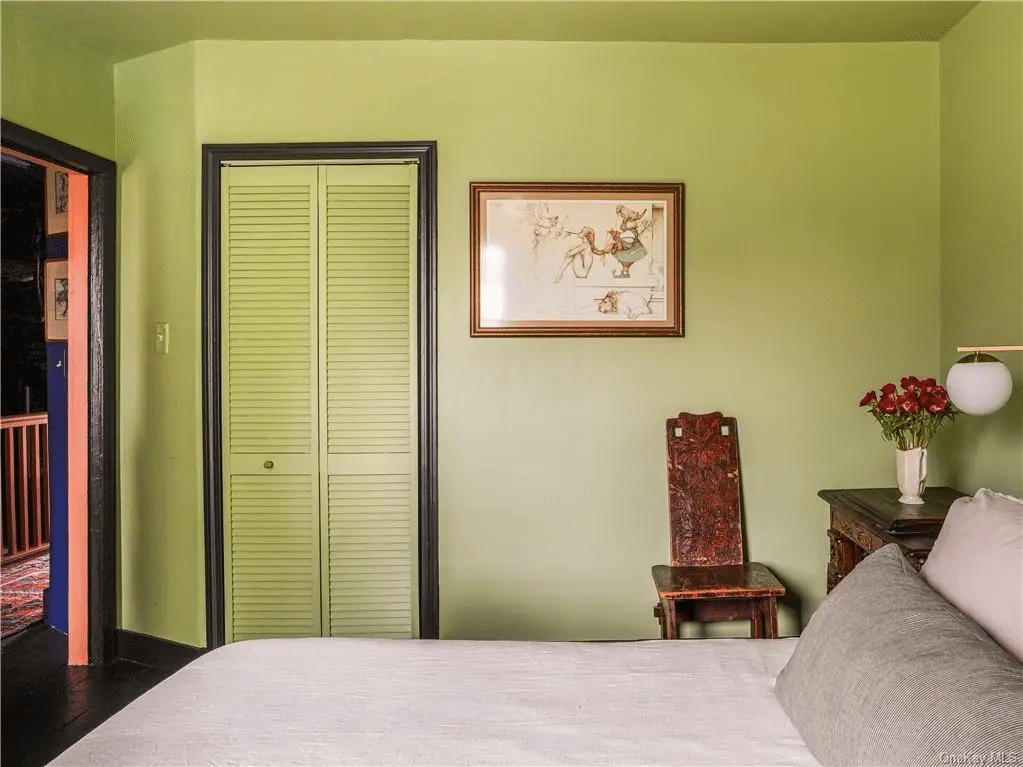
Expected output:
{"points": [[812, 218], [54, 86], [161, 536], [982, 228], [813, 225]]}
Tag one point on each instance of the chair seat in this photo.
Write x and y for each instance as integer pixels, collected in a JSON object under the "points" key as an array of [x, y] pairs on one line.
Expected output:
{"points": [[751, 580]]}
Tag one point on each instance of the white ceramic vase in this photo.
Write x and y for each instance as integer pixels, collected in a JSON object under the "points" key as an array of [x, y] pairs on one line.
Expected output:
{"points": [[911, 472]]}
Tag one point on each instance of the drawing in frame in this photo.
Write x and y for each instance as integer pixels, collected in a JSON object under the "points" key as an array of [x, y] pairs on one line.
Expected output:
{"points": [[56, 201], [576, 259], [55, 299]]}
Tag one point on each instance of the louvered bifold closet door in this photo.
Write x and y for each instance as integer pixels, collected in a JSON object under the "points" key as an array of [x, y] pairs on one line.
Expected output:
{"points": [[368, 413], [270, 422]]}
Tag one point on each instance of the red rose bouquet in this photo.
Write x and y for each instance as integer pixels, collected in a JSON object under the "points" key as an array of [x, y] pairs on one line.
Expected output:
{"points": [[910, 419]]}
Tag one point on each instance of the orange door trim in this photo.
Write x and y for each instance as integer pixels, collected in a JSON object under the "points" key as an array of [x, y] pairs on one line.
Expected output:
{"points": [[78, 419]]}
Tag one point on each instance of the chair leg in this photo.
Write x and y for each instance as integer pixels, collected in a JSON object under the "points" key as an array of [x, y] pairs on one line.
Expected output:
{"points": [[659, 614], [756, 619], [670, 607], [771, 618], [764, 618]]}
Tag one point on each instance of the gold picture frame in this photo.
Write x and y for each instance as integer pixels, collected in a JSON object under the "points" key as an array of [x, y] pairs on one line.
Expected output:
{"points": [[56, 201], [576, 259], [55, 299]]}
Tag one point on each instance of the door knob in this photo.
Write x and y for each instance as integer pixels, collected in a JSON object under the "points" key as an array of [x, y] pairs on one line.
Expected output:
{"points": [[268, 464]]}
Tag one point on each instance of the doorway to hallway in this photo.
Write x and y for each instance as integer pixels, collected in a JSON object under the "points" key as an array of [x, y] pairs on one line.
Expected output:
{"points": [[85, 293]]}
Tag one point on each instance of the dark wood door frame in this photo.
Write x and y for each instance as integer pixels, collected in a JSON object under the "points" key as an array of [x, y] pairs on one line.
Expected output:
{"points": [[102, 430], [214, 157]]}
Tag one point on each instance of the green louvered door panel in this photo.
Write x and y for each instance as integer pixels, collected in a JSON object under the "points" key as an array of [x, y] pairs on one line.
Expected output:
{"points": [[270, 421], [368, 414]]}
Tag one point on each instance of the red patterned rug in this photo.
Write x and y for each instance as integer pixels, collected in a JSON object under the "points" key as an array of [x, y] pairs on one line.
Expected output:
{"points": [[22, 585]]}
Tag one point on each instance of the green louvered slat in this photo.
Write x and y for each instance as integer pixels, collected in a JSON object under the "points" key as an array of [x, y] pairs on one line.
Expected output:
{"points": [[274, 558], [368, 416], [270, 322], [270, 384], [370, 556]]}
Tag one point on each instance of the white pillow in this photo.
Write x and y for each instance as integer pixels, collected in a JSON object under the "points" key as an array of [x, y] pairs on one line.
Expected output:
{"points": [[977, 564]]}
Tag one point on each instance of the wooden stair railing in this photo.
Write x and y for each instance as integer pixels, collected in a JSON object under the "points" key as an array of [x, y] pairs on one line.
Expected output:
{"points": [[26, 486]]}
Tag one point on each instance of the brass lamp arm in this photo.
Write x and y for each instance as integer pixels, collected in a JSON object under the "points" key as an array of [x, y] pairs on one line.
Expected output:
{"points": [[989, 348]]}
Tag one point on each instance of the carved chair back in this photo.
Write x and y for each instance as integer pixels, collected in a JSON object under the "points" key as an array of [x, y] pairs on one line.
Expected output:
{"points": [[704, 513]]}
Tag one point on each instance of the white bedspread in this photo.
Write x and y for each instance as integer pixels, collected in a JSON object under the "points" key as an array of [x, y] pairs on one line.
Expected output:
{"points": [[397, 702]]}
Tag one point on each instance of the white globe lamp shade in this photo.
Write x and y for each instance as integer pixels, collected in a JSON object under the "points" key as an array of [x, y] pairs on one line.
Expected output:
{"points": [[979, 384]]}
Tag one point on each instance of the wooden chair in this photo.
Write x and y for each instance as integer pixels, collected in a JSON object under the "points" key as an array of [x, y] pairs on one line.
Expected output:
{"points": [[709, 578]]}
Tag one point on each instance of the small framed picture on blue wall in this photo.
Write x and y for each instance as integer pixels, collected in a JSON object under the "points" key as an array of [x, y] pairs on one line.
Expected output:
{"points": [[55, 299]]}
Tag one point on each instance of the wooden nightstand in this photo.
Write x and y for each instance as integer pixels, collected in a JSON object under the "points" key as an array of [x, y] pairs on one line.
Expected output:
{"points": [[864, 520]]}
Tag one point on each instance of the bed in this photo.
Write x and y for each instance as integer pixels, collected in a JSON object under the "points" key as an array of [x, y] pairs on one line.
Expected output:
{"points": [[392, 702], [907, 679]]}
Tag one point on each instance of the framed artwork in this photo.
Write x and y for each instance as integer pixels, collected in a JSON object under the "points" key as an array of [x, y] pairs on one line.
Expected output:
{"points": [[576, 259], [55, 299], [56, 201]]}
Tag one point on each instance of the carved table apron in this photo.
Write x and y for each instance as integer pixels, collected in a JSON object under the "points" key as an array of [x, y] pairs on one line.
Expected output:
{"points": [[864, 520]]}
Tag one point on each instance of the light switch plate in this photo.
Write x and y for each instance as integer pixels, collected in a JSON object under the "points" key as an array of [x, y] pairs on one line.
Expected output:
{"points": [[163, 338]]}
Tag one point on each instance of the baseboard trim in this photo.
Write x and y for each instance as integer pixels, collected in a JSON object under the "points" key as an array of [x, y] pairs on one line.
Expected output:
{"points": [[151, 651]]}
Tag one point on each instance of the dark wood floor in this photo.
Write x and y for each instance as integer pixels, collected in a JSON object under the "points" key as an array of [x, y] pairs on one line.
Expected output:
{"points": [[47, 705]]}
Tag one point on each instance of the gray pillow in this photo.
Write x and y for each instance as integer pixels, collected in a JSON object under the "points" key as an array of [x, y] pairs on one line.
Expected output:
{"points": [[889, 673]]}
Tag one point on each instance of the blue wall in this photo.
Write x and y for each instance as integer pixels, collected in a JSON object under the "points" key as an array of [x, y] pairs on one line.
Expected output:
{"points": [[55, 598], [56, 399]]}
